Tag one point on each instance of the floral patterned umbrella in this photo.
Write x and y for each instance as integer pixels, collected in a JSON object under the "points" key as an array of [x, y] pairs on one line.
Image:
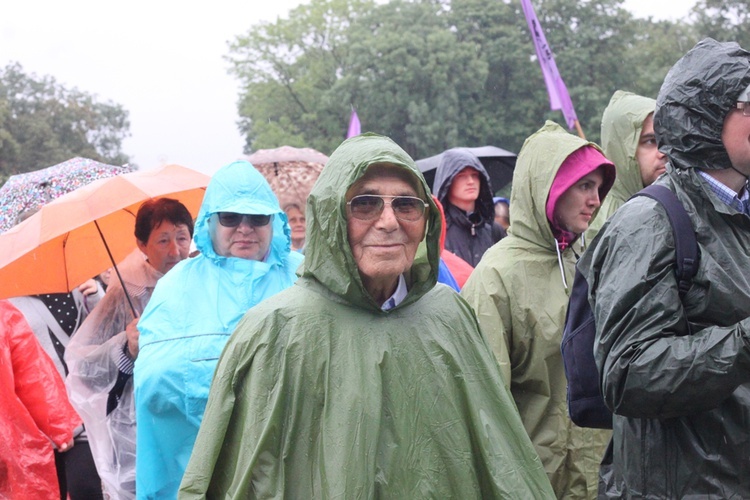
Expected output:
{"points": [[31, 190], [291, 172]]}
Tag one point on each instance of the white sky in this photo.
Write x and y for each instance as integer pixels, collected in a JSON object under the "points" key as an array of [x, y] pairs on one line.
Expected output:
{"points": [[162, 60]]}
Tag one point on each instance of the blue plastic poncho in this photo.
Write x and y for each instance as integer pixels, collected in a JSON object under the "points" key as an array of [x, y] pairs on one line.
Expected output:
{"points": [[192, 312]]}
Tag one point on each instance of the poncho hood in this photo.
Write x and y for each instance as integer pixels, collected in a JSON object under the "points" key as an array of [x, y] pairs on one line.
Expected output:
{"points": [[453, 161], [622, 123], [328, 256], [239, 188], [538, 162], [697, 93]]}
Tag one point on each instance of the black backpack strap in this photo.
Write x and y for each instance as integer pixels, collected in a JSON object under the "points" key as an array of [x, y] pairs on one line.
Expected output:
{"points": [[685, 242]]}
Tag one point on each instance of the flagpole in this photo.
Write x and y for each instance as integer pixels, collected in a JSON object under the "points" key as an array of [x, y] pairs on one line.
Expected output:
{"points": [[559, 98], [580, 130]]}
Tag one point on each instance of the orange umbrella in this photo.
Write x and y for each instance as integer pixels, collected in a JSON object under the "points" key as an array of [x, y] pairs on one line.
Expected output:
{"points": [[87, 231]]}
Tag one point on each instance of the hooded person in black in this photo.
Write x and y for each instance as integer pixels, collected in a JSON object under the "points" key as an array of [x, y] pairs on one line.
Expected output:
{"points": [[675, 370], [463, 187]]}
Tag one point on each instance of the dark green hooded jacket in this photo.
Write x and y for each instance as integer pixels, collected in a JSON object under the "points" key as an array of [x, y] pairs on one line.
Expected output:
{"points": [[321, 394], [677, 373]]}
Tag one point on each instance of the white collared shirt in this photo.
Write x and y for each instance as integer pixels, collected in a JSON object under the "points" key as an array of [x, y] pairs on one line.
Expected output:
{"points": [[398, 296]]}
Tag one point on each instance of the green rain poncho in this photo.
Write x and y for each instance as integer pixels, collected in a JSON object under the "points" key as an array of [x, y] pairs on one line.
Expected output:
{"points": [[622, 122], [321, 394], [520, 298]]}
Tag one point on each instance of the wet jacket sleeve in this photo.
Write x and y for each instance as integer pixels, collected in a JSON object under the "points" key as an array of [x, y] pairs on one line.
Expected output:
{"points": [[654, 363], [37, 383]]}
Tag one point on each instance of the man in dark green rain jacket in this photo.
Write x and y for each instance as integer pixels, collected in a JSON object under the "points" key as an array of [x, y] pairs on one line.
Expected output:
{"points": [[366, 379], [676, 373]]}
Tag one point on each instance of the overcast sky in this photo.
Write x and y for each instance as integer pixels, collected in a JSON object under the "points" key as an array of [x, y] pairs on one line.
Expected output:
{"points": [[162, 60]]}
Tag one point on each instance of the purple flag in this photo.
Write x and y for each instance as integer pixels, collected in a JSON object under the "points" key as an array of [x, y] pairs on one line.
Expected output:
{"points": [[558, 92], [354, 125]]}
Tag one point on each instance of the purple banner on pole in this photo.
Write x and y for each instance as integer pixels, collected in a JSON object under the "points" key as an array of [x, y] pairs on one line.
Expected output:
{"points": [[354, 125], [558, 92]]}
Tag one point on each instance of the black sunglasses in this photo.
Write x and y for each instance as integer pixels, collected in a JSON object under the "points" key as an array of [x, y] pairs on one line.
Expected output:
{"points": [[231, 219], [370, 206]]}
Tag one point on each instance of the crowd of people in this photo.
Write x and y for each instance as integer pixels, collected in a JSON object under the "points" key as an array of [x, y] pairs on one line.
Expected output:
{"points": [[387, 338]]}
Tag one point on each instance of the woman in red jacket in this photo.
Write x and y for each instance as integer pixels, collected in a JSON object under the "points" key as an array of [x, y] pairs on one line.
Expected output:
{"points": [[36, 413]]}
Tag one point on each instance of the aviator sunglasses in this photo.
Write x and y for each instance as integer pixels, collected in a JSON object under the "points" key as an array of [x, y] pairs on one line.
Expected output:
{"points": [[370, 206], [232, 219]]}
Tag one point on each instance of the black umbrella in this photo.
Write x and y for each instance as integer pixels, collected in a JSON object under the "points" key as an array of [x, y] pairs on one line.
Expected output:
{"points": [[498, 162]]}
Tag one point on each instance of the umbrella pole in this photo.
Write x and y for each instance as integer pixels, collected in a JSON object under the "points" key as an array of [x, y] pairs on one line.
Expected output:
{"points": [[124, 288]]}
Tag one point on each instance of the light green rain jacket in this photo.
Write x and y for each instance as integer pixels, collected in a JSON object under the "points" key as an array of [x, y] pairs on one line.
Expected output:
{"points": [[520, 294], [622, 122], [321, 394]]}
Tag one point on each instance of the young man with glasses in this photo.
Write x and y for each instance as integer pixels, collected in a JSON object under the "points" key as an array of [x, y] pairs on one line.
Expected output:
{"points": [[675, 367], [364, 379], [244, 240]]}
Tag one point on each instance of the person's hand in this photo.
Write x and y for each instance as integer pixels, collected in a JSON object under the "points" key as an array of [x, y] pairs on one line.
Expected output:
{"points": [[67, 446], [132, 334], [88, 287]]}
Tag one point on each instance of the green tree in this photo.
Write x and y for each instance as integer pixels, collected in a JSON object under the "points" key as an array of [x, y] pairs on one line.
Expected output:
{"points": [[43, 123], [434, 74], [287, 69], [412, 77], [724, 20]]}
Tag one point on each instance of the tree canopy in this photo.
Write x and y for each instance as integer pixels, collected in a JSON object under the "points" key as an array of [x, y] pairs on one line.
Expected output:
{"points": [[42, 123], [434, 74]]}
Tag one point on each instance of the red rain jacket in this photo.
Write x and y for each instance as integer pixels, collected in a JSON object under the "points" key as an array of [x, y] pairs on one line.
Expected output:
{"points": [[459, 268], [34, 412]]}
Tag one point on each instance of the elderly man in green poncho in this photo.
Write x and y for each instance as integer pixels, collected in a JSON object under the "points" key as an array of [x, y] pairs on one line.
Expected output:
{"points": [[365, 379]]}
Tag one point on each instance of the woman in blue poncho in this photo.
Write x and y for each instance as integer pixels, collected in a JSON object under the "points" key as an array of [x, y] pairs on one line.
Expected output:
{"points": [[244, 240]]}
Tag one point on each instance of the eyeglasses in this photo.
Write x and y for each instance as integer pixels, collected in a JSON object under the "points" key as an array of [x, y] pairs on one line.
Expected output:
{"points": [[370, 206], [231, 219], [745, 107]]}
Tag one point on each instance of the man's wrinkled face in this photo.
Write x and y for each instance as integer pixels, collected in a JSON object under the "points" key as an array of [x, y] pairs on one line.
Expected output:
{"points": [[736, 138], [651, 161], [385, 246]]}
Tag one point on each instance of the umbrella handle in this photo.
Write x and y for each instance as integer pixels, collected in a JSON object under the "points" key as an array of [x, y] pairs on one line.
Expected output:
{"points": [[124, 288]]}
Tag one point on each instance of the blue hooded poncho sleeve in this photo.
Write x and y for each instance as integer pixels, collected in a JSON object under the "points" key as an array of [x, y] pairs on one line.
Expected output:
{"points": [[184, 328]]}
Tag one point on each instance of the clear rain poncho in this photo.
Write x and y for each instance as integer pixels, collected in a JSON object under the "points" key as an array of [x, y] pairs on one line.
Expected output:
{"points": [[92, 357], [321, 394], [185, 326]]}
